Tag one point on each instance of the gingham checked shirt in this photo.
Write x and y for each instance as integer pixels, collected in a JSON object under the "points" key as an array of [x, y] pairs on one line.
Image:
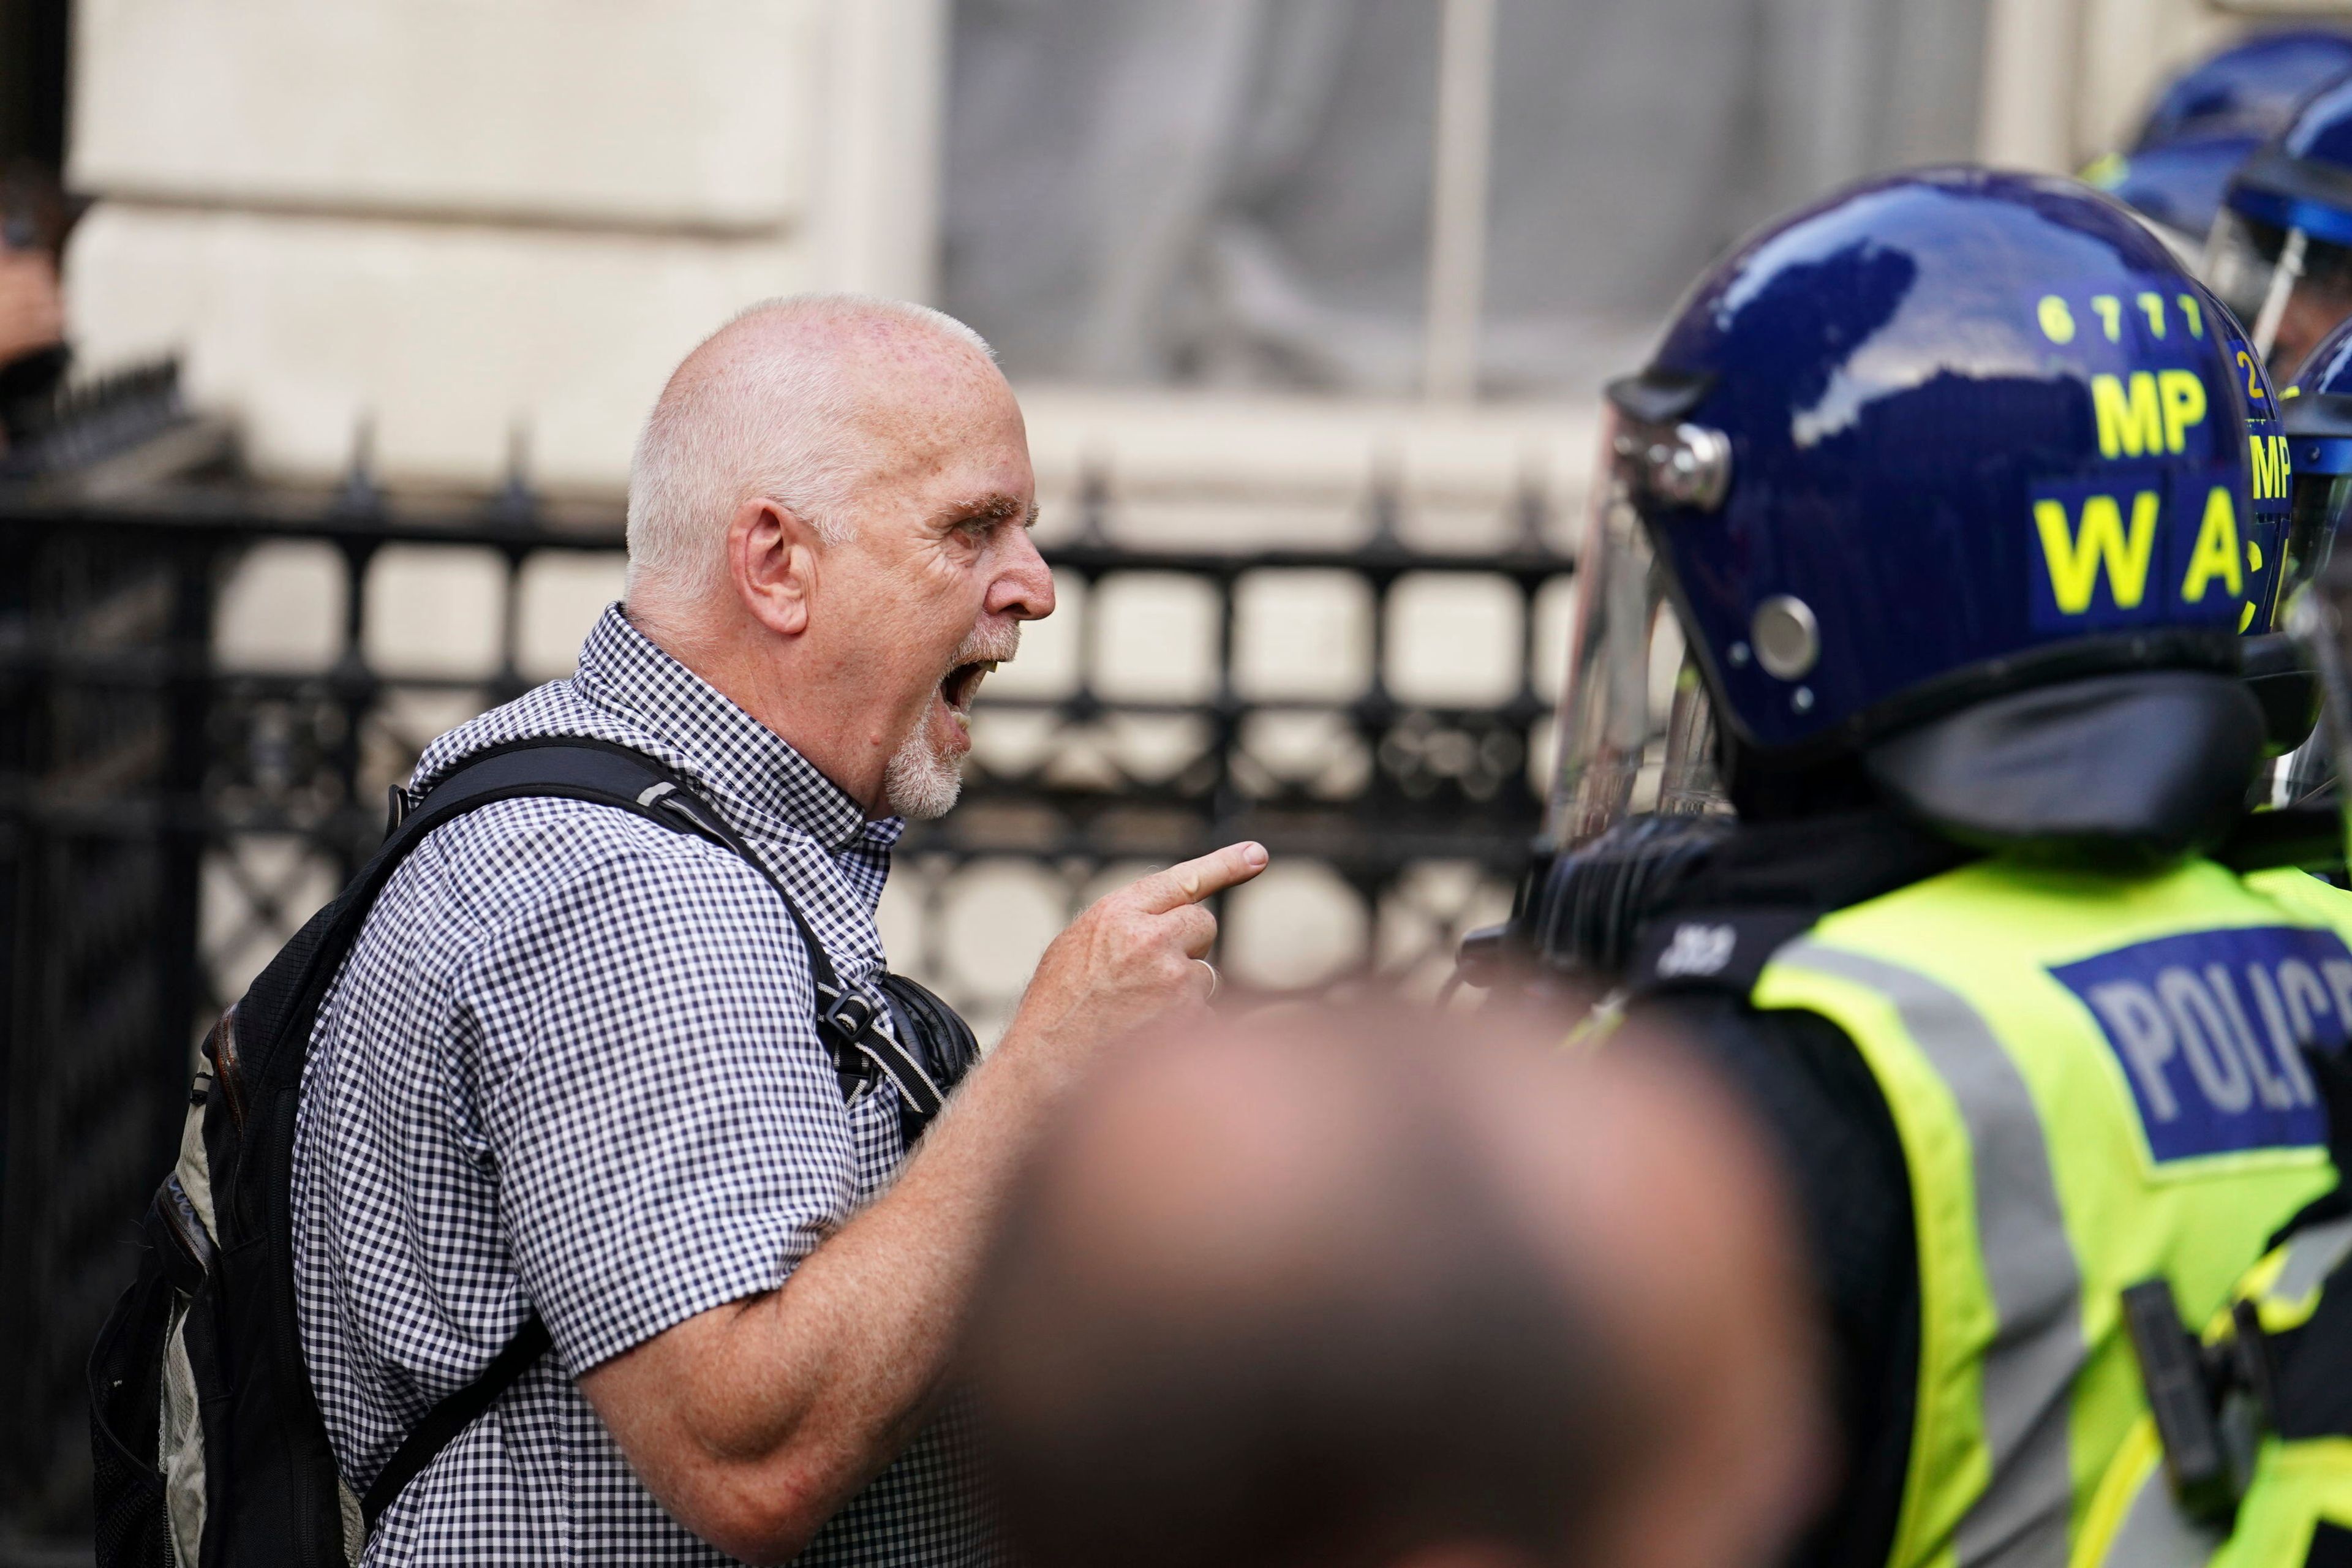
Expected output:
{"points": [[572, 1064]]}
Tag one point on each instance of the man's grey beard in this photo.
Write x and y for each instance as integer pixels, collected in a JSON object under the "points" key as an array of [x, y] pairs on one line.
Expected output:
{"points": [[921, 783]]}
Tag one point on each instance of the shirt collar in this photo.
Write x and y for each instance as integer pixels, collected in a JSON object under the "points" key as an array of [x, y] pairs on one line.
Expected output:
{"points": [[747, 766]]}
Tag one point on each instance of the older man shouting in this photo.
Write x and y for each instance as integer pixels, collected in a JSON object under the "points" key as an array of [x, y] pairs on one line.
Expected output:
{"points": [[572, 1067]]}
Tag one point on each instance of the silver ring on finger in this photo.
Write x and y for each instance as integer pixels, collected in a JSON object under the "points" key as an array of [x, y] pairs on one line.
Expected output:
{"points": [[1215, 980]]}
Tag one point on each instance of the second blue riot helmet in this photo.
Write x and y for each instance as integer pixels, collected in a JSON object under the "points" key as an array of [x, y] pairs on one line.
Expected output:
{"points": [[1911, 472], [2211, 118], [2316, 411], [2280, 252]]}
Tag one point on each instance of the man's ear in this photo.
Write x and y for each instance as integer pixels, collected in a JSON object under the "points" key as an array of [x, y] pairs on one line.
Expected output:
{"points": [[772, 557]]}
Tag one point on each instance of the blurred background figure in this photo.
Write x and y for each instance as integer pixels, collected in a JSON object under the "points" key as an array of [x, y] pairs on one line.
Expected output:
{"points": [[32, 319], [34, 218], [1354, 1289], [2208, 121], [2282, 250]]}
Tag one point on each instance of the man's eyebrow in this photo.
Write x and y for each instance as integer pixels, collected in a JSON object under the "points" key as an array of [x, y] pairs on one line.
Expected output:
{"points": [[995, 506]]}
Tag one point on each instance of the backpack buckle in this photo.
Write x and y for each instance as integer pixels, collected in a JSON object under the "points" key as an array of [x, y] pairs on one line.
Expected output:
{"points": [[852, 1014]]}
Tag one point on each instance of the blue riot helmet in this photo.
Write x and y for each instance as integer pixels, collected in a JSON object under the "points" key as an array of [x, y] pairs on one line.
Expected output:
{"points": [[2280, 252], [2210, 121], [1950, 465], [2315, 413]]}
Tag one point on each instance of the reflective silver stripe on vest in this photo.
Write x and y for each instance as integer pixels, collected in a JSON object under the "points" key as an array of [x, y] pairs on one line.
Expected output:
{"points": [[2312, 1256], [2037, 1350], [2155, 1533]]}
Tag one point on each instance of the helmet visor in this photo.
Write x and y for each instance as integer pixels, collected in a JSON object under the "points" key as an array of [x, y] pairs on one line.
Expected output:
{"points": [[2319, 510], [2290, 288], [2321, 619], [1637, 730]]}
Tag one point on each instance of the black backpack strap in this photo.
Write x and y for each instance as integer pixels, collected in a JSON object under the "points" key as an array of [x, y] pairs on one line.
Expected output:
{"points": [[849, 1022], [610, 775], [452, 1415]]}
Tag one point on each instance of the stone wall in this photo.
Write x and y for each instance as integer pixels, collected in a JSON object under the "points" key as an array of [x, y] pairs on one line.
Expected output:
{"points": [[452, 219]]}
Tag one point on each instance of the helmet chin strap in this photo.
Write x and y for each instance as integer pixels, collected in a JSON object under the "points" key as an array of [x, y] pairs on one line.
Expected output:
{"points": [[2282, 281]]}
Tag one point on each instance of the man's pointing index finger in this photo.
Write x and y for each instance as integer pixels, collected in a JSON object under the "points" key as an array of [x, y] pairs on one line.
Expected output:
{"points": [[1194, 880]]}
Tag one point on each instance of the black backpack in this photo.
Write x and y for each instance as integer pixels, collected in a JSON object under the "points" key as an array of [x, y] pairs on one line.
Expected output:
{"points": [[208, 1440]]}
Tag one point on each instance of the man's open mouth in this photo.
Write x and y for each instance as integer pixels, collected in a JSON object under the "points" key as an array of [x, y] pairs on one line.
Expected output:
{"points": [[962, 685]]}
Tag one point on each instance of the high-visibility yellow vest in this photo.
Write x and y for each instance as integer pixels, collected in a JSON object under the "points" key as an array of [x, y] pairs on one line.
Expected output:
{"points": [[2096, 1080], [2301, 1488]]}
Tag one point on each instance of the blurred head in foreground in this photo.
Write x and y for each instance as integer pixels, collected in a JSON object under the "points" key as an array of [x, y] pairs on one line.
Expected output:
{"points": [[1353, 1288]]}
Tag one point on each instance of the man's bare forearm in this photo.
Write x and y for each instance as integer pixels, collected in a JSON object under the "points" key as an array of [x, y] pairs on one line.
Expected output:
{"points": [[754, 1422]]}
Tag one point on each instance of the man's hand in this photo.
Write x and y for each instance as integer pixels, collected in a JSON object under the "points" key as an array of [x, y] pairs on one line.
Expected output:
{"points": [[1128, 962], [32, 316]]}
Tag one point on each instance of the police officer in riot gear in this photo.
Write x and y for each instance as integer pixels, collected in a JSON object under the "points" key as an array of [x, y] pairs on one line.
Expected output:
{"points": [[2208, 121], [2245, 1457], [1906, 708], [2316, 411], [2280, 251]]}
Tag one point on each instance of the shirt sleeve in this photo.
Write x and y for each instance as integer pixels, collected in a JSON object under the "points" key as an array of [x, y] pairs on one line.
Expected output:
{"points": [[639, 1047]]}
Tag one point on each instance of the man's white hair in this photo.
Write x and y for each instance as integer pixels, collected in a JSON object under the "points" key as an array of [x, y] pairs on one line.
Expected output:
{"points": [[773, 425]]}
